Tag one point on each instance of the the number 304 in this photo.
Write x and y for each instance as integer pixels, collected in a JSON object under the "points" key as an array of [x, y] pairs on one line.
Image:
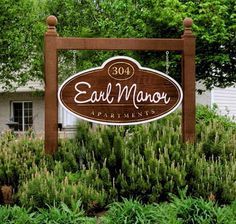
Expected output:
{"points": [[121, 70]]}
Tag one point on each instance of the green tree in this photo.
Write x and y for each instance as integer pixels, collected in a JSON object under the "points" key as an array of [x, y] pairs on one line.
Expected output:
{"points": [[214, 26], [21, 37]]}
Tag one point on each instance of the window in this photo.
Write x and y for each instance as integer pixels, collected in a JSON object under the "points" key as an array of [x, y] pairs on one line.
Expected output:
{"points": [[22, 113]]}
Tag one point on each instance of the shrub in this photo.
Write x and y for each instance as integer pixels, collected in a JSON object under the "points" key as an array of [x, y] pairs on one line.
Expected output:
{"points": [[52, 188], [207, 115], [149, 161], [145, 162], [19, 156]]}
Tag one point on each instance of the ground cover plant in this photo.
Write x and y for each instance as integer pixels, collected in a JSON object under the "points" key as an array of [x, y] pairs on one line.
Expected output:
{"points": [[104, 164], [181, 210], [60, 215]]}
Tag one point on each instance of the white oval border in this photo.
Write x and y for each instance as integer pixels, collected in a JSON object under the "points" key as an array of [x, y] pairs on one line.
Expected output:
{"points": [[140, 67]]}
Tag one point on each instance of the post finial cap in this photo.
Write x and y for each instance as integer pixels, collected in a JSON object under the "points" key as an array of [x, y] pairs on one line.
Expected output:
{"points": [[188, 22], [52, 20]]}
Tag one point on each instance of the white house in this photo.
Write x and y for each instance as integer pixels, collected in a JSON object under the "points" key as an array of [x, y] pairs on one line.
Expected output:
{"points": [[25, 106], [224, 98]]}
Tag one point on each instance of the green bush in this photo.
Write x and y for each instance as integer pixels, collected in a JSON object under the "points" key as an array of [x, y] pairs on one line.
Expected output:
{"points": [[52, 188], [104, 164], [149, 161], [206, 115], [19, 156]]}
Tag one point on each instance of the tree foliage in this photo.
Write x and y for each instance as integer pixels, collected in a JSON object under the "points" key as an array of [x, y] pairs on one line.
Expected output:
{"points": [[214, 25], [21, 41]]}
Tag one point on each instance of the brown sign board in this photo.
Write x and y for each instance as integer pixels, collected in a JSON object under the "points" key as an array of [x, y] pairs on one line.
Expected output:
{"points": [[120, 92]]}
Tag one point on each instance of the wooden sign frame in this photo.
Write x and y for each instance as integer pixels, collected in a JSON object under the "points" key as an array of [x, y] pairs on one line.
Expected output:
{"points": [[53, 43]]}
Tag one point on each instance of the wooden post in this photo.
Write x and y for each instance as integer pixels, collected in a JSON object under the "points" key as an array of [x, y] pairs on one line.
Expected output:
{"points": [[51, 86], [188, 83]]}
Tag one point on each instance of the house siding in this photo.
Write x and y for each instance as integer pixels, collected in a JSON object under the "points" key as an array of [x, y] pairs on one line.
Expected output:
{"points": [[205, 98], [225, 99], [67, 119], [38, 109]]}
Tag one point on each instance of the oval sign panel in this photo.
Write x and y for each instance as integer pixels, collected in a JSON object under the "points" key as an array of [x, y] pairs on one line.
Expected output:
{"points": [[120, 92]]}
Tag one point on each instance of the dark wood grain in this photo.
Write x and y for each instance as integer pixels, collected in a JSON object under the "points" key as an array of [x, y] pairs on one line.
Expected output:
{"points": [[188, 84], [126, 110], [51, 85], [119, 44]]}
